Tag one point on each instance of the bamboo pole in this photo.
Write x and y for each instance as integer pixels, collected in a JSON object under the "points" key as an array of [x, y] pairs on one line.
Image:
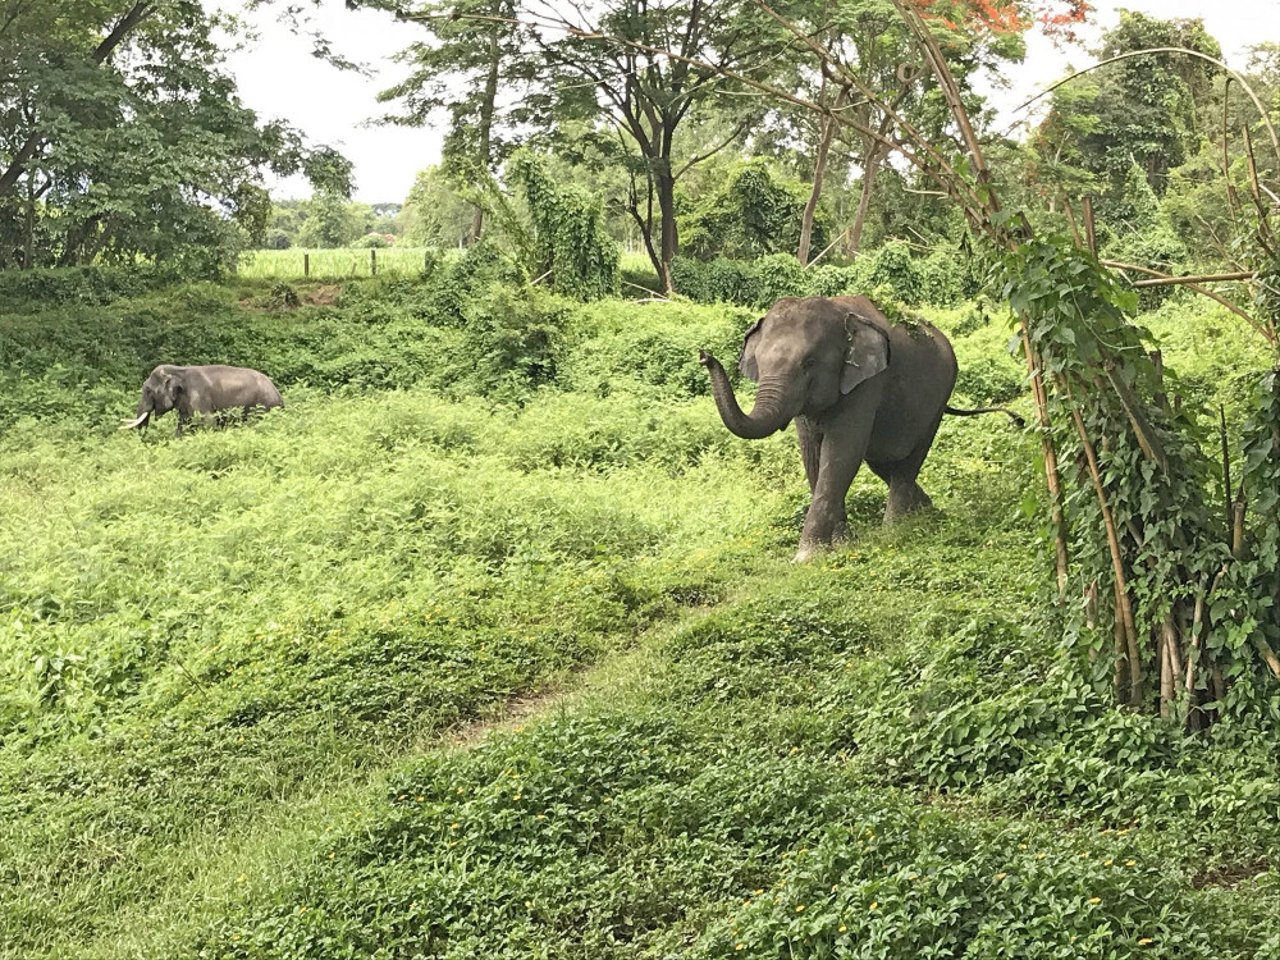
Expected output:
{"points": [[1123, 604]]}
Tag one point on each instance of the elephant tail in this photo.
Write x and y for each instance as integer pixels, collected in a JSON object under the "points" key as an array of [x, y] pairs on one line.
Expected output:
{"points": [[958, 412]]}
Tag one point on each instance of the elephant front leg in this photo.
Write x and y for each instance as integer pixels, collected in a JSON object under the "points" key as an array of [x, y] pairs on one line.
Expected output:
{"points": [[810, 438], [844, 444]]}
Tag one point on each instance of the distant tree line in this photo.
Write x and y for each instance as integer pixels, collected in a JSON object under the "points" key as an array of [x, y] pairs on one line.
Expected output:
{"points": [[122, 138]]}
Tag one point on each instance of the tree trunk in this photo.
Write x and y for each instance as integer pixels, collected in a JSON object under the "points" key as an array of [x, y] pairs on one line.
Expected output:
{"points": [[665, 186], [486, 127], [870, 167], [29, 238], [819, 172]]}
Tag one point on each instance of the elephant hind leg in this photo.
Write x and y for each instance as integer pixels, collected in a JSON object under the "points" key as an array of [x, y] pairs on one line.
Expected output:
{"points": [[906, 495]]}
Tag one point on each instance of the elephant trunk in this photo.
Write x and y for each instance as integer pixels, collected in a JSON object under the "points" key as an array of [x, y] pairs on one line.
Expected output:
{"points": [[770, 413]]}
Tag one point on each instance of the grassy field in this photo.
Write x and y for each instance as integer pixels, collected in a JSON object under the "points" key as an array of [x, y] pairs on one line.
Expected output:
{"points": [[341, 263], [255, 681], [351, 262]]}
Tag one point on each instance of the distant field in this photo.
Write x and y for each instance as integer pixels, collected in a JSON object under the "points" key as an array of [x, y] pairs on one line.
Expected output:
{"points": [[392, 261], [343, 262]]}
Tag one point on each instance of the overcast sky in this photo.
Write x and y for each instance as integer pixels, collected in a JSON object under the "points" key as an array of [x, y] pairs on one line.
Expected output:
{"points": [[279, 78]]}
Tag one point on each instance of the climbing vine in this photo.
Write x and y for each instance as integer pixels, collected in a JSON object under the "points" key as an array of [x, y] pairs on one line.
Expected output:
{"points": [[570, 247], [1158, 545]]}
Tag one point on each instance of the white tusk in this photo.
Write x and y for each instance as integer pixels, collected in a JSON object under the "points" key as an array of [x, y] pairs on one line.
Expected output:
{"points": [[130, 424]]}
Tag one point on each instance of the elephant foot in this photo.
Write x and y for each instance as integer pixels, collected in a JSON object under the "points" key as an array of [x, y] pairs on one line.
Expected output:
{"points": [[903, 503], [808, 551]]}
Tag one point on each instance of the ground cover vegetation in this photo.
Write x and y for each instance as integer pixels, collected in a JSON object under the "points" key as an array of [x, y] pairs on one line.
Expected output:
{"points": [[229, 658], [252, 683]]}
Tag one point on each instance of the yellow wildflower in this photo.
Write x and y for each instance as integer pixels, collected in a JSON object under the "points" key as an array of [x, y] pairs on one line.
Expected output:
{"points": [[875, 905], [1108, 862], [739, 946], [758, 892], [1001, 875], [799, 908], [241, 879], [835, 887], [1145, 941], [843, 928], [1095, 900], [1131, 863]]}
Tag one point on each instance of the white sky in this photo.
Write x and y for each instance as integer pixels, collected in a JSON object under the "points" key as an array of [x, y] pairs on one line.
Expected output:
{"points": [[279, 78]]}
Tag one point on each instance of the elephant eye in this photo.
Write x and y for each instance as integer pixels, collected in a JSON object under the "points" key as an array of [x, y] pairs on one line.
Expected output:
{"points": [[807, 362]]}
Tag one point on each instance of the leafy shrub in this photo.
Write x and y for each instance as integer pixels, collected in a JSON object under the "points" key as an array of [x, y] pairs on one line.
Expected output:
{"points": [[69, 285], [896, 269], [1156, 247], [514, 339], [755, 212]]}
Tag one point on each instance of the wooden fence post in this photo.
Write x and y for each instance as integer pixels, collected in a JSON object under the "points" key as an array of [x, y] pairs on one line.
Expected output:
{"points": [[306, 264], [373, 261]]}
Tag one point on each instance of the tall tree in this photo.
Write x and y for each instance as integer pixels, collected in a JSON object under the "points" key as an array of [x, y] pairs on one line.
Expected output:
{"points": [[1143, 109], [474, 50], [121, 135], [650, 64]]}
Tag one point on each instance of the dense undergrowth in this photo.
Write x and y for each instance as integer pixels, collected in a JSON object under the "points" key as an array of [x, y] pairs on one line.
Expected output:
{"points": [[226, 661]]}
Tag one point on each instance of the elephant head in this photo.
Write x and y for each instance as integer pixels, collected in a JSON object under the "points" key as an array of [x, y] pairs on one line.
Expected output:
{"points": [[805, 355], [160, 394]]}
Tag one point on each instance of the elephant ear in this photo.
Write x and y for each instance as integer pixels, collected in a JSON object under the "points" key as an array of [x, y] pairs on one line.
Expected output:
{"points": [[173, 387], [747, 362], [867, 355]]}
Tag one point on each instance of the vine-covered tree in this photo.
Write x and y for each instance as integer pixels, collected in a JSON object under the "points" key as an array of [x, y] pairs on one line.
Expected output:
{"points": [[1143, 109]]}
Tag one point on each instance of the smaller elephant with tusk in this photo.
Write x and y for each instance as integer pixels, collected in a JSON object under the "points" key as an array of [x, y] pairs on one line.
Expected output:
{"points": [[859, 388], [202, 390]]}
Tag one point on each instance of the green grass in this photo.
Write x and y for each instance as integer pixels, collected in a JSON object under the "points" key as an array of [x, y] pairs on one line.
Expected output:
{"points": [[230, 665], [332, 264]]}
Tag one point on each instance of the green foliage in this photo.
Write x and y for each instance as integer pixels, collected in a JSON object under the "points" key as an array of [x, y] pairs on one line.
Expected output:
{"points": [[570, 242], [330, 220], [941, 279], [124, 140], [435, 214], [1153, 513], [755, 212], [402, 551]]}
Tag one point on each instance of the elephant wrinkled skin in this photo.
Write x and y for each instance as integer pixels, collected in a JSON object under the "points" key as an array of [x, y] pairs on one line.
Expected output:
{"points": [[202, 390], [859, 388]]}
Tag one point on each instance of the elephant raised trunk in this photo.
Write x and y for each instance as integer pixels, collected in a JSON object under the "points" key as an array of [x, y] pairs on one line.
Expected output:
{"points": [[770, 413]]}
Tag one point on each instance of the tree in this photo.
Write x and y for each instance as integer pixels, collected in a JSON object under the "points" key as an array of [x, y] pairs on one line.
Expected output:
{"points": [[475, 47], [1142, 109], [754, 212], [644, 61], [434, 214], [333, 221], [121, 137]]}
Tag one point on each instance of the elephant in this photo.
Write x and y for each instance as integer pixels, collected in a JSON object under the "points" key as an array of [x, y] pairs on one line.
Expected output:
{"points": [[202, 390], [858, 386]]}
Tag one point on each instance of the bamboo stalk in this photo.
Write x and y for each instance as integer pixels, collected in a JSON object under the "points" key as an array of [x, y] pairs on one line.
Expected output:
{"points": [[1227, 496], [1202, 278], [1051, 475], [1166, 673], [1262, 331], [1117, 565]]}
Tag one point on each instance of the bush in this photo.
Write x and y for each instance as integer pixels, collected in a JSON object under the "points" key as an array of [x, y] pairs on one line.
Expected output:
{"points": [[67, 285]]}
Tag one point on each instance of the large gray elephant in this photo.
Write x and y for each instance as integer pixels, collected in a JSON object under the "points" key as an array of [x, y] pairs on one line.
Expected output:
{"points": [[202, 390], [858, 386]]}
